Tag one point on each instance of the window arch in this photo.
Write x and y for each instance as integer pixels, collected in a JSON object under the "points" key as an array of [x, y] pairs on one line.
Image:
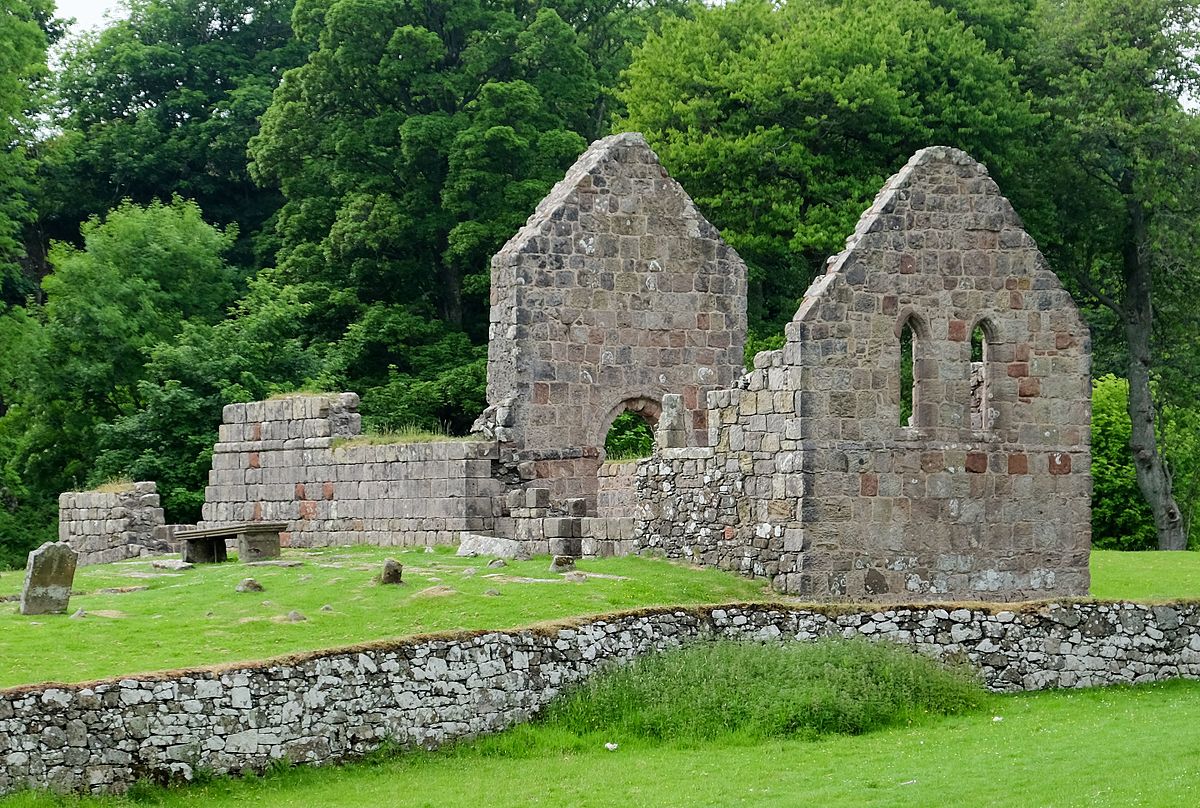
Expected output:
{"points": [[912, 335], [982, 414]]}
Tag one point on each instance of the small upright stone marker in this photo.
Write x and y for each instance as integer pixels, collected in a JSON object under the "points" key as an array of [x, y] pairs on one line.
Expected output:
{"points": [[48, 578], [393, 570], [562, 563]]}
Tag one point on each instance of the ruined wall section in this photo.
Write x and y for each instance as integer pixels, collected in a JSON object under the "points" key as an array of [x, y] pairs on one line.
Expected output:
{"points": [[107, 526], [295, 460], [616, 292], [842, 500]]}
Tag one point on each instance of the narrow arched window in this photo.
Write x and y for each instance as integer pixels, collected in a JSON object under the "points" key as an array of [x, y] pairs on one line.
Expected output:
{"points": [[908, 386], [982, 414]]}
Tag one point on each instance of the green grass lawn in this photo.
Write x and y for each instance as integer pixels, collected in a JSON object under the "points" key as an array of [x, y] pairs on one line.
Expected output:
{"points": [[1102, 747], [1145, 576], [194, 617]]}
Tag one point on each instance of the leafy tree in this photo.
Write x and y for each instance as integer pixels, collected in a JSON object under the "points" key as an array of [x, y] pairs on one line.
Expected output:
{"points": [[143, 273], [22, 67], [164, 102], [783, 120], [251, 355], [1122, 169]]}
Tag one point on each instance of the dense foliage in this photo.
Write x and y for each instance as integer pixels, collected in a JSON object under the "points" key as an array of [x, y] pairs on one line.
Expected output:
{"points": [[219, 200]]}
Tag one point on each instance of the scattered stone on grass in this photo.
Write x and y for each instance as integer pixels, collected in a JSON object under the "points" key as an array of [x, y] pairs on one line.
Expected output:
{"points": [[393, 571], [469, 571], [437, 591], [78, 615], [144, 575], [492, 593], [121, 590], [111, 614], [49, 574], [497, 563], [327, 608], [249, 585], [274, 563], [171, 564], [295, 617], [474, 544], [575, 577], [562, 563]]}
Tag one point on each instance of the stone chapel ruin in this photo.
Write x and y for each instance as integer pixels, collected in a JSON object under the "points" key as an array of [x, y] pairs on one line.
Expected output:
{"points": [[923, 433]]}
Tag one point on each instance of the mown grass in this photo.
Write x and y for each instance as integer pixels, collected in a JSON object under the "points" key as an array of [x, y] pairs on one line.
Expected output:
{"points": [[1145, 576], [1104, 747], [194, 617]]}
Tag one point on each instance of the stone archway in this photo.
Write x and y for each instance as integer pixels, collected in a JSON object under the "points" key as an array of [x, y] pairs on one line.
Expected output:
{"points": [[646, 408]]}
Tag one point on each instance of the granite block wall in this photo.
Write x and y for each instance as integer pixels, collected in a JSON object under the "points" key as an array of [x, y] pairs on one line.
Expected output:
{"points": [[327, 706], [830, 492], [615, 292], [106, 526], [296, 460]]}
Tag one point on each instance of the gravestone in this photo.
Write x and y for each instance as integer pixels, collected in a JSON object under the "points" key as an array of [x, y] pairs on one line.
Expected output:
{"points": [[48, 578]]}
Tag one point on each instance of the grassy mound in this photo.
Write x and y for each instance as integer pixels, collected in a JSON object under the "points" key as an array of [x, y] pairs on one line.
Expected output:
{"points": [[747, 693]]}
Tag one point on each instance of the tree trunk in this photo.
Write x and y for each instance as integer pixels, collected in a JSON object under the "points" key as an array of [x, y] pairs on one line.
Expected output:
{"points": [[1153, 476]]}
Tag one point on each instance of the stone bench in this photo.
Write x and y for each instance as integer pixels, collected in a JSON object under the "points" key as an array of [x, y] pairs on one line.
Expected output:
{"points": [[256, 541]]}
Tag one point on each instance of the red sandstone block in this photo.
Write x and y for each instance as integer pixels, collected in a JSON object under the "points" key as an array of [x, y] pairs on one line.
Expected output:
{"points": [[1060, 463], [908, 265], [958, 330], [890, 304], [257, 512], [300, 491], [868, 484], [932, 461], [541, 393], [730, 533], [285, 539], [254, 460], [977, 462], [1016, 300], [308, 510], [1018, 464], [256, 431], [1018, 369], [1063, 341], [327, 490], [1022, 352], [1029, 387]]}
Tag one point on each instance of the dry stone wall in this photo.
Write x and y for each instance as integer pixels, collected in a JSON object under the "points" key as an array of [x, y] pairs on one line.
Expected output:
{"points": [[810, 478], [103, 527], [295, 460], [103, 736], [616, 292]]}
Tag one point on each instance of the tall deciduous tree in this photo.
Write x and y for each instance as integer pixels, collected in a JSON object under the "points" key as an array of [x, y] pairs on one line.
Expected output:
{"points": [[23, 40], [1123, 168], [783, 120], [164, 102]]}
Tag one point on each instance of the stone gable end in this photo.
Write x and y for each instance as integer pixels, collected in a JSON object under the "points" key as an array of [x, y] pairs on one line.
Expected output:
{"points": [[615, 292], [821, 485]]}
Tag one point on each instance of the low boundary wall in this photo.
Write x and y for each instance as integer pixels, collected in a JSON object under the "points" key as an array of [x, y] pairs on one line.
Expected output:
{"points": [[322, 707]]}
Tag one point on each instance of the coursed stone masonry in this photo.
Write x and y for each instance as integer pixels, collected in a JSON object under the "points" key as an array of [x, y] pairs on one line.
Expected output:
{"points": [[616, 292], [808, 476], [295, 460], [330, 705], [103, 527]]}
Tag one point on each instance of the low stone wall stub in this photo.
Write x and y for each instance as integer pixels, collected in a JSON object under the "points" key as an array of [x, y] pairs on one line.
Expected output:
{"points": [[107, 526], [326, 706]]}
